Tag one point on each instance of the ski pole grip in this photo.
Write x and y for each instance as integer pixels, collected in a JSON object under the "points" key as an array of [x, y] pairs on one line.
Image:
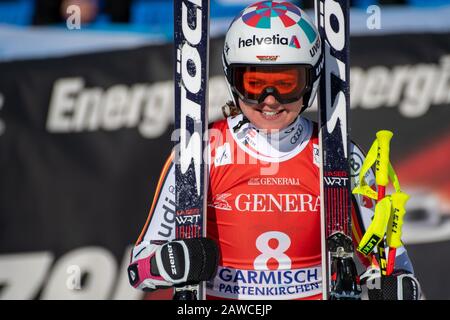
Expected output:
{"points": [[382, 164], [394, 231], [377, 229]]}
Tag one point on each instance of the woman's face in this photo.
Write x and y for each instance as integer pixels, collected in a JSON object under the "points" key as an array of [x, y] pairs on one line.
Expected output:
{"points": [[270, 114]]}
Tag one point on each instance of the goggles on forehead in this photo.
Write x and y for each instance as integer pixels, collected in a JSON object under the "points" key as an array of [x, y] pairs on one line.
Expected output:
{"points": [[287, 83]]}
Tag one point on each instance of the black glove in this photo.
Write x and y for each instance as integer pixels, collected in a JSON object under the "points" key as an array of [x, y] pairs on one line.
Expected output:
{"points": [[400, 285], [174, 263]]}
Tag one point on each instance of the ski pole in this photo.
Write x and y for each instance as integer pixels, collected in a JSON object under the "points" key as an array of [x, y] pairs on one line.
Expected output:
{"points": [[389, 210], [394, 232], [382, 178]]}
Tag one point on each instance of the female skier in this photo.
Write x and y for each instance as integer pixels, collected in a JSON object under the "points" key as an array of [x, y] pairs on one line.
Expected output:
{"points": [[263, 218]]}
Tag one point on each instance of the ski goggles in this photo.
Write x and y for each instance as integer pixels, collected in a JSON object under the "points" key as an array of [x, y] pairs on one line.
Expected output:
{"points": [[287, 83]]}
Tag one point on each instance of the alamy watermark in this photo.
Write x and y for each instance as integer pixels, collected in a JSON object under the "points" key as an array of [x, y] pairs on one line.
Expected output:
{"points": [[227, 149], [73, 281], [373, 22], [73, 21]]}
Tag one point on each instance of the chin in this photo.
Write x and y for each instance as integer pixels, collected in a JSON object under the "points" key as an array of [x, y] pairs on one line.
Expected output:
{"points": [[271, 124], [278, 122]]}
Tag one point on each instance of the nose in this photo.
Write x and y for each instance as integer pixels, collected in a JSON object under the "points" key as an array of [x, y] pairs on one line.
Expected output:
{"points": [[270, 100]]}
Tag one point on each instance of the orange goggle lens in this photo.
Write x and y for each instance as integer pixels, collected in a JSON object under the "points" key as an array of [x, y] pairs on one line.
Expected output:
{"points": [[287, 83]]}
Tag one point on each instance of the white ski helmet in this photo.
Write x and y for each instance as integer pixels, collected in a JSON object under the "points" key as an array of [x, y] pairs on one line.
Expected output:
{"points": [[273, 34]]}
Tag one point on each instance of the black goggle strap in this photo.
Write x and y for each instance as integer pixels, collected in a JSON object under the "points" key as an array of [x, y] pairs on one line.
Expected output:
{"points": [[227, 68], [316, 70]]}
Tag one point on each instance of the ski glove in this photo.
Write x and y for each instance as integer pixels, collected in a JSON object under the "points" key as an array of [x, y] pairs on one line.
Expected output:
{"points": [[158, 265], [400, 285]]}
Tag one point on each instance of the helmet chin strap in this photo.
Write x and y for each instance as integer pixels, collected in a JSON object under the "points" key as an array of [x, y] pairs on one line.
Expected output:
{"points": [[306, 98], [241, 123], [244, 118]]}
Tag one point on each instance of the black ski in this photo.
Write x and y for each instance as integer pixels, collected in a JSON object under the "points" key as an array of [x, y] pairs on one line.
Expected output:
{"points": [[191, 43], [338, 268]]}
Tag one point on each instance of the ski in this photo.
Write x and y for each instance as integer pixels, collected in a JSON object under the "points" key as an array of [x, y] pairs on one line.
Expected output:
{"points": [[191, 50], [339, 275]]}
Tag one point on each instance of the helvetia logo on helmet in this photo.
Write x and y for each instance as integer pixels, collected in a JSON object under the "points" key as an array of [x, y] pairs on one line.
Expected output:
{"points": [[274, 40], [294, 42], [256, 41]]}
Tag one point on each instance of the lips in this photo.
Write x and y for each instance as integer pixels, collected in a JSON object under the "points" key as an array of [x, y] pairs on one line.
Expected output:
{"points": [[271, 115]]}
